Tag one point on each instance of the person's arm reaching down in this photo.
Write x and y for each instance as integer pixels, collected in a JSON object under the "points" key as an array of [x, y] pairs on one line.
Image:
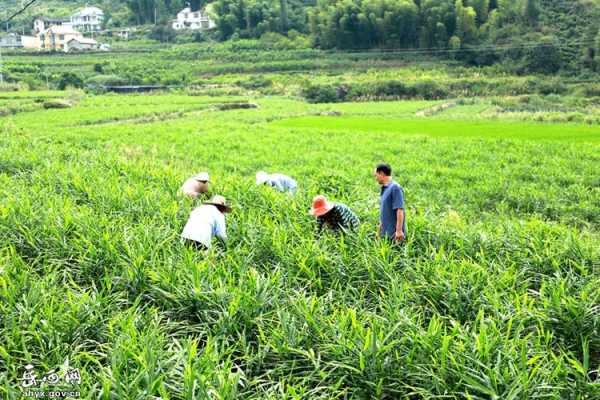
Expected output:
{"points": [[220, 229]]}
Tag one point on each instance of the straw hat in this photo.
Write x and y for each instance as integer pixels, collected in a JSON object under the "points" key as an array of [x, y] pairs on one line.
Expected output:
{"points": [[261, 177], [220, 203], [202, 176], [320, 206]]}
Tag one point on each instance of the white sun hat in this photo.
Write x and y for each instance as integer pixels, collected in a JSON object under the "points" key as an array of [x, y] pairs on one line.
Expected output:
{"points": [[261, 177], [202, 176]]}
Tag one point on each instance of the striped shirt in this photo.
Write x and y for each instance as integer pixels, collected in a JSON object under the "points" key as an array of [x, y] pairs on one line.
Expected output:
{"points": [[339, 218]]}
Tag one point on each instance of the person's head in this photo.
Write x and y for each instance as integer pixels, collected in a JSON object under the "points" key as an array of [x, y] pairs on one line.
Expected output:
{"points": [[320, 206], [261, 177], [220, 203], [203, 179], [383, 173]]}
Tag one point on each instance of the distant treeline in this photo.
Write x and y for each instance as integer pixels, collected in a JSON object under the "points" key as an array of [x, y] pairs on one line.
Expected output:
{"points": [[548, 33], [528, 35]]}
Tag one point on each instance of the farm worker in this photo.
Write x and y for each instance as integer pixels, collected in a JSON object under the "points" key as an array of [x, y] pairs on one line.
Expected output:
{"points": [[280, 182], [336, 216], [196, 184], [392, 221], [206, 222]]}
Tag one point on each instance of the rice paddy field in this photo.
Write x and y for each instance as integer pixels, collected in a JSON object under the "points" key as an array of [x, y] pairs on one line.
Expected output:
{"points": [[496, 294]]}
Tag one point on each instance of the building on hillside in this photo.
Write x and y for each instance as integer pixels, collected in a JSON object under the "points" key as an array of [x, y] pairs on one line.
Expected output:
{"points": [[88, 19], [15, 41], [124, 33], [194, 20], [30, 42], [40, 24], [57, 37], [11, 41], [81, 44]]}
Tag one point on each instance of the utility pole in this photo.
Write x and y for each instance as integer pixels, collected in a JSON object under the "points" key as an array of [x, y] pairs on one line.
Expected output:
{"points": [[1, 68]]}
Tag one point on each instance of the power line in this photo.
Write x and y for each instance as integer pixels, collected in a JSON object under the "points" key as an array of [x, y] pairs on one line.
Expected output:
{"points": [[25, 7], [526, 45], [6, 21]]}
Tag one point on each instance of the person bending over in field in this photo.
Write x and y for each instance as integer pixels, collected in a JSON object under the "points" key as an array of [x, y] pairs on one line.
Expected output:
{"points": [[280, 182], [392, 219], [335, 216], [205, 223], [196, 185]]}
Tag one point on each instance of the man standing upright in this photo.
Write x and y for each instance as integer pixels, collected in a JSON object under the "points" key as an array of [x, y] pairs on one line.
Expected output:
{"points": [[392, 221]]}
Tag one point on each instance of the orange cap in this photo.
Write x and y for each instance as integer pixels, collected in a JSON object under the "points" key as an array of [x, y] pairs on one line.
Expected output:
{"points": [[320, 206]]}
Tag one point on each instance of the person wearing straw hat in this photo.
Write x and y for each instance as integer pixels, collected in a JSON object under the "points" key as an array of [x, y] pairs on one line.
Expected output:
{"points": [[196, 185], [336, 216], [280, 182], [206, 222]]}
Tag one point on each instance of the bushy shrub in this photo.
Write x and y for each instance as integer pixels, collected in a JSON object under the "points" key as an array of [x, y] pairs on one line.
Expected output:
{"points": [[321, 94], [163, 33], [551, 86], [592, 90], [57, 103], [392, 88], [69, 79], [99, 68], [544, 58], [9, 87], [429, 90], [255, 82], [426, 89]]}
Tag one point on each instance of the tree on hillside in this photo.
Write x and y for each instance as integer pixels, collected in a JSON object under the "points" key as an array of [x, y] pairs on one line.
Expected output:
{"points": [[150, 11], [482, 8], [283, 15], [437, 23], [253, 18], [466, 26], [531, 11]]}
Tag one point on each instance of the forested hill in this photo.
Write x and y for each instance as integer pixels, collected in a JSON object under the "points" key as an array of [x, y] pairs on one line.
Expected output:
{"points": [[553, 33]]}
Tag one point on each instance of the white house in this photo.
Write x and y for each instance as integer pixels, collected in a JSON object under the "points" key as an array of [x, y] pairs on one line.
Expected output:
{"points": [[88, 19], [124, 33], [40, 24], [194, 20], [81, 44]]}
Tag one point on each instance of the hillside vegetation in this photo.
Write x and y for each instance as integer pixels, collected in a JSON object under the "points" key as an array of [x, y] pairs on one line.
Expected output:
{"points": [[528, 35]]}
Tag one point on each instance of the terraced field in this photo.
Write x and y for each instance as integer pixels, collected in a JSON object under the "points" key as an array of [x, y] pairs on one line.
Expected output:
{"points": [[495, 295]]}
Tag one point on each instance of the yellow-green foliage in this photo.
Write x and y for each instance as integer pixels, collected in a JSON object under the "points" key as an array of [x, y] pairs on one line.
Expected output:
{"points": [[494, 296]]}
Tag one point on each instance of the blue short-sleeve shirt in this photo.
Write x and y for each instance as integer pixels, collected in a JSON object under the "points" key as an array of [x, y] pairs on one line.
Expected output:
{"points": [[392, 198]]}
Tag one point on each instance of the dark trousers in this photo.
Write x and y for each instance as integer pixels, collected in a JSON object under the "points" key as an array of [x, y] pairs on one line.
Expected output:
{"points": [[195, 245]]}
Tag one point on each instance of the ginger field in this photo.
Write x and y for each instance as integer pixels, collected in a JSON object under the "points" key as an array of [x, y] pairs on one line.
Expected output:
{"points": [[496, 294]]}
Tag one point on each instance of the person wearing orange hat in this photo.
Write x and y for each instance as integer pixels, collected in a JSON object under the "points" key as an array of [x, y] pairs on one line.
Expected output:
{"points": [[336, 216]]}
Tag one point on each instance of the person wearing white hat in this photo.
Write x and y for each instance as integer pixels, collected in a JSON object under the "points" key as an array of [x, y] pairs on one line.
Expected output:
{"points": [[206, 222], [280, 182], [196, 185]]}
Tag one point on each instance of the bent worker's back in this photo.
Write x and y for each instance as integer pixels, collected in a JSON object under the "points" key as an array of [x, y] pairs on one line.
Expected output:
{"points": [[204, 223]]}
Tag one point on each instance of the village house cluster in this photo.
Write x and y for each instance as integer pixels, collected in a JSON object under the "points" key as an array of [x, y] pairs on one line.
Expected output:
{"points": [[61, 34], [67, 34]]}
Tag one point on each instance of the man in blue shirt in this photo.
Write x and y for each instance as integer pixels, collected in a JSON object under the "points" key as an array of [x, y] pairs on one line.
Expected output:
{"points": [[392, 221]]}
